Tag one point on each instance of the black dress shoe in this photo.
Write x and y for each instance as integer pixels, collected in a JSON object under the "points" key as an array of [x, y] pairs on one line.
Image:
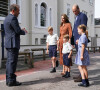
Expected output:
{"points": [[17, 83], [57, 63], [83, 85], [13, 84], [53, 70]]}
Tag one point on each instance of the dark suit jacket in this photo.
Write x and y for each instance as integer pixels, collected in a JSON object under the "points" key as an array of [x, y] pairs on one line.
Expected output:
{"points": [[82, 19], [12, 32]]}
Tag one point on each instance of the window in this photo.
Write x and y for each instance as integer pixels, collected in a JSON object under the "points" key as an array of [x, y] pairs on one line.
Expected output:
{"points": [[36, 41], [50, 13], [36, 14], [97, 21], [4, 8], [43, 14], [68, 10], [19, 3], [13, 2], [43, 41], [84, 12]]}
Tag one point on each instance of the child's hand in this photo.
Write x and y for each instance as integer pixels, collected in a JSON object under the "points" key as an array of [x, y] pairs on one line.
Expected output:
{"points": [[73, 46], [77, 42], [57, 49], [82, 58], [47, 51], [69, 56]]}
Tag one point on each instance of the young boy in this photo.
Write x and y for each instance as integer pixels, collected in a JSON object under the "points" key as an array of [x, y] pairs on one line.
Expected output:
{"points": [[67, 53], [52, 48]]}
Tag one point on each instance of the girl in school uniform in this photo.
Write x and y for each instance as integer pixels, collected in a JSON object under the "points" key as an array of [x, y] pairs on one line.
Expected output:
{"points": [[82, 57]]}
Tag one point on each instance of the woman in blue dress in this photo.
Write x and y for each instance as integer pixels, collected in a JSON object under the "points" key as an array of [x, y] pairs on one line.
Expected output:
{"points": [[82, 57]]}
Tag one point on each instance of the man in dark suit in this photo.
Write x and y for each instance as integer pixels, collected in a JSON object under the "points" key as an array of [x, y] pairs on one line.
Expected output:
{"points": [[12, 44], [81, 18]]}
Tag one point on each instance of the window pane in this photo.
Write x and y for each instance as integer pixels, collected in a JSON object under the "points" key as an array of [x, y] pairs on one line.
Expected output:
{"points": [[43, 41], [36, 15], [50, 16], [4, 8], [68, 10], [43, 14], [36, 41]]}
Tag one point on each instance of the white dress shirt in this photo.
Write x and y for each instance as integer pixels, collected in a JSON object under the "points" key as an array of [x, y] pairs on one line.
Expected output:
{"points": [[52, 39], [66, 48]]}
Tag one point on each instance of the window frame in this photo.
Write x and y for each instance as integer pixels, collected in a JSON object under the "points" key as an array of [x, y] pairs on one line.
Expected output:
{"points": [[3, 18], [9, 3]]}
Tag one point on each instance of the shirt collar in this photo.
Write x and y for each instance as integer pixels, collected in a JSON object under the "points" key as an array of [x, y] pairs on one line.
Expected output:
{"points": [[51, 35], [78, 14]]}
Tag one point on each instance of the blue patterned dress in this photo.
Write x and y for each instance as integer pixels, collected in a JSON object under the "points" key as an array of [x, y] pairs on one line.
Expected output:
{"points": [[82, 40]]}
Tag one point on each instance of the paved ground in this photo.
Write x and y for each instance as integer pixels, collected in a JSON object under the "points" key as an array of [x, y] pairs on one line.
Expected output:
{"points": [[41, 79]]}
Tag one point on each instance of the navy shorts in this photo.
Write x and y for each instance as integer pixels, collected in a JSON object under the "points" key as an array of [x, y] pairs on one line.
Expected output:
{"points": [[53, 51], [66, 60]]}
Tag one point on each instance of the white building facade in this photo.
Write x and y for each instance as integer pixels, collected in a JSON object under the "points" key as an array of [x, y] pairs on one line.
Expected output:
{"points": [[37, 15]]}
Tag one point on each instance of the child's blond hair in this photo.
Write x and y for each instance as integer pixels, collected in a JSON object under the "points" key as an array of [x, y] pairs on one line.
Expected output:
{"points": [[66, 36], [50, 28]]}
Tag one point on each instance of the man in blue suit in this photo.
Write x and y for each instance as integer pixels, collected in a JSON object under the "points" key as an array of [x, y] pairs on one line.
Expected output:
{"points": [[12, 44], [81, 18]]}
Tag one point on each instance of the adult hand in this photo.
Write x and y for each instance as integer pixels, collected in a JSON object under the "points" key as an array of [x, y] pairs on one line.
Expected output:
{"points": [[24, 30]]}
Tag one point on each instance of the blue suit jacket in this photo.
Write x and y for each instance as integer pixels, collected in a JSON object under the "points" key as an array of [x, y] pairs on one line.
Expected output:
{"points": [[82, 19], [12, 32]]}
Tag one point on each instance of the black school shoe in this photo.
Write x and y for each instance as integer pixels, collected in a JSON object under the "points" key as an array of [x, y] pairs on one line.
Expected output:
{"points": [[67, 75], [53, 70], [83, 85], [10, 84], [57, 63]]}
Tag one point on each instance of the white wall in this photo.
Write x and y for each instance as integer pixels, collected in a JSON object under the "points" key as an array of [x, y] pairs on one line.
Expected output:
{"points": [[84, 5], [38, 31]]}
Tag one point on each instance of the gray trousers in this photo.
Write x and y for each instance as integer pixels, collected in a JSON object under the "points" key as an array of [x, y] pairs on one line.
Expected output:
{"points": [[11, 64]]}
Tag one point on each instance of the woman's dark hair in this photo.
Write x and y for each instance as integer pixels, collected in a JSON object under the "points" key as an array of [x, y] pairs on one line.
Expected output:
{"points": [[66, 19], [14, 7]]}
